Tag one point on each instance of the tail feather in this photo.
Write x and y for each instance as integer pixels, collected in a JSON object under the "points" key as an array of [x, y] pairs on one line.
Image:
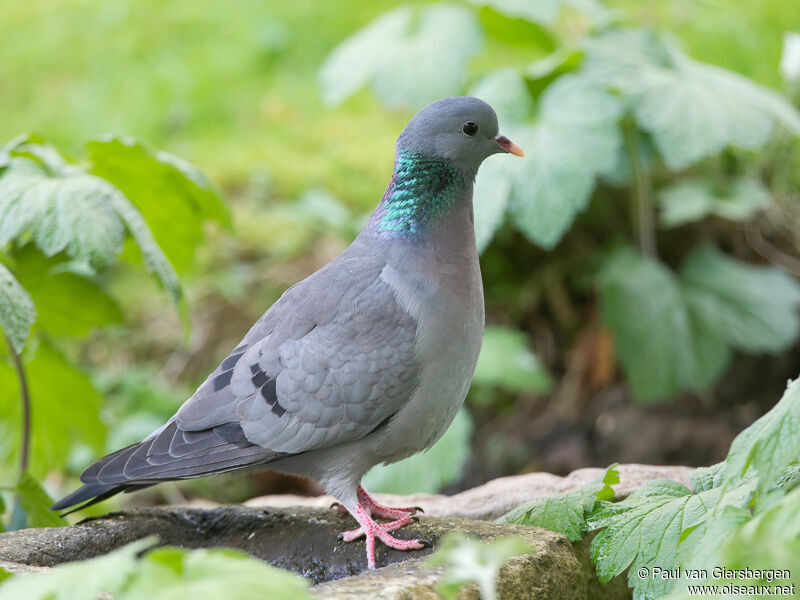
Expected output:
{"points": [[171, 453]]}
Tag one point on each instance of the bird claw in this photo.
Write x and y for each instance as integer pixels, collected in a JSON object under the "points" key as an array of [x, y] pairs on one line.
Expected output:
{"points": [[339, 507]]}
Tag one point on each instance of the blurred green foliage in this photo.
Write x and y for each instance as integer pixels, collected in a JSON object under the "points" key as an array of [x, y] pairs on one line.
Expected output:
{"points": [[62, 227], [165, 573], [472, 561]]}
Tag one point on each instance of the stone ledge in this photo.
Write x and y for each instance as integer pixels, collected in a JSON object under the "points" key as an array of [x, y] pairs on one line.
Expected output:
{"points": [[303, 540], [496, 498]]}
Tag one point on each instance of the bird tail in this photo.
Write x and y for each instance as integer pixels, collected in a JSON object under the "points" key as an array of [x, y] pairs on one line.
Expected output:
{"points": [[169, 454]]}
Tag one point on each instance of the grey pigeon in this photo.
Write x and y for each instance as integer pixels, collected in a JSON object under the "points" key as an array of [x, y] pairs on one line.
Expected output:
{"points": [[364, 362]]}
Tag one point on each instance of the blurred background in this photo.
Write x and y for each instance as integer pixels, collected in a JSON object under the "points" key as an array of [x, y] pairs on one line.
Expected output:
{"points": [[640, 265]]}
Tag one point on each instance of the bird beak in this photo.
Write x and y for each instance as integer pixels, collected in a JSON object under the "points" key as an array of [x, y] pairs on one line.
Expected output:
{"points": [[508, 146]]}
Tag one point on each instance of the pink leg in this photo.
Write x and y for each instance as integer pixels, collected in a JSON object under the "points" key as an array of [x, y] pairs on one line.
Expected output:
{"points": [[371, 530], [354, 534], [381, 511]]}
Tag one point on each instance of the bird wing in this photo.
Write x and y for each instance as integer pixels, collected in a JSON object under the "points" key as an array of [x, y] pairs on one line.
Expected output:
{"points": [[330, 362]]}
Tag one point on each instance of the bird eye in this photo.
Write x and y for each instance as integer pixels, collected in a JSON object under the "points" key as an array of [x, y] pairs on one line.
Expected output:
{"points": [[470, 128]]}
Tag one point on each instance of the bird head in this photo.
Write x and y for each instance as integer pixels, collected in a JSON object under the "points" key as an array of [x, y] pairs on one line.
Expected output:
{"points": [[460, 129]]}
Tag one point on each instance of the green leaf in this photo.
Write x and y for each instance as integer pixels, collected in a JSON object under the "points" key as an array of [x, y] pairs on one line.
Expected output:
{"points": [[430, 471], [663, 347], [692, 110], [788, 479], [36, 503], [675, 333], [83, 579], [175, 574], [17, 312], [573, 139], [753, 308], [490, 199], [769, 445], [472, 561], [547, 12], [646, 529], [172, 196], [506, 91], [409, 57], [154, 257], [737, 539], [506, 361], [66, 303], [62, 207], [65, 412], [566, 513], [694, 199], [705, 478], [163, 574]]}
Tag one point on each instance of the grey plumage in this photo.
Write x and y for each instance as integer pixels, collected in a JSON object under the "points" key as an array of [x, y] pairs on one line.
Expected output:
{"points": [[365, 361]]}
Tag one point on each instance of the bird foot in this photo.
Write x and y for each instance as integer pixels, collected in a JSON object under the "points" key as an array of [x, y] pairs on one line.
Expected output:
{"points": [[354, 534], [371, 530], [381, 511]]}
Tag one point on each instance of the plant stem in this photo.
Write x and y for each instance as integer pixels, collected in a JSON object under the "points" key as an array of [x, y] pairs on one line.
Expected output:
{"points": [[26, 408], [642, 205]]}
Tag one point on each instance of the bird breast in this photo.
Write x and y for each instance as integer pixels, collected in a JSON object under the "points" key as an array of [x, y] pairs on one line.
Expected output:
{"points": [[443, 291]]}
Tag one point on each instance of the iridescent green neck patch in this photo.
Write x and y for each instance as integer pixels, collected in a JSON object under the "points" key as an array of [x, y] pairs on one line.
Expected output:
{"points": [[422, 188]]}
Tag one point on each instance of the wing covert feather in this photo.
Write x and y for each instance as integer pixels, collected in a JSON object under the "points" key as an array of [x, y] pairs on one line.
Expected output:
{"points": [[328, 363]]}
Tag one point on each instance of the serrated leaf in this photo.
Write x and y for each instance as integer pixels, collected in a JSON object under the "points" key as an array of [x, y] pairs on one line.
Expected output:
{"points": [[547, 12], [692, 110], [66, 303], [646, 529], [506, 361], [566, 513], [705, 478], [754, 308], [17, 313], [36, 503], [409, 57], [769, 445], [574, 139], [675, 333], [788, 479], [472, 561], [663, 347], [65, 412], [736, 538], [430, 471], [83, 579], [172, 196], [691, 200], [62, 207]]}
